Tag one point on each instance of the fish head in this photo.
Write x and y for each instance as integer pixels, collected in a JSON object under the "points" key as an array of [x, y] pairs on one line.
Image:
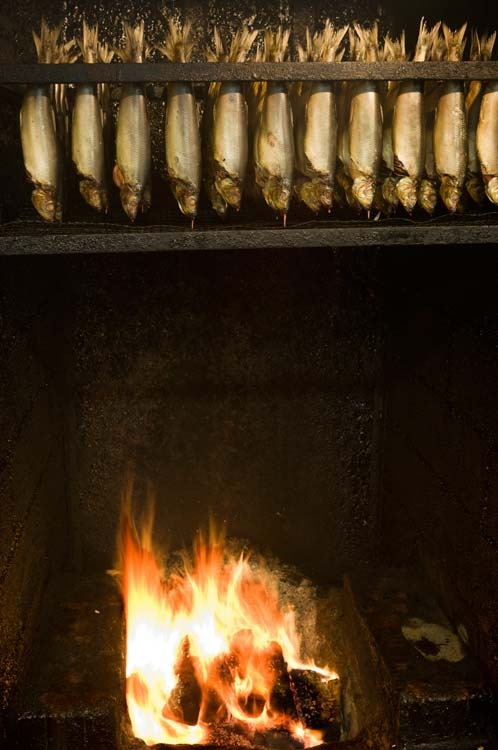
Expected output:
{"points": [[217, 201], [475, 189], [427, 196], [451, 193], [131, 200], [187, 198], [306, 192], [389, 192], [231, 191], [364, 191], [95, 195], [406, 190], [325, 195], [45, 202], [277, 194], [492, 190]]}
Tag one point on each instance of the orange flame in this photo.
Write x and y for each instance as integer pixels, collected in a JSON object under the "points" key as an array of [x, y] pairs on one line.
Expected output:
{"points": [[204, 646]]}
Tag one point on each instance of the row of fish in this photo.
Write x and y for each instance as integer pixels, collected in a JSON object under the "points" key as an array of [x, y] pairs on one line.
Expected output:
{"points": [[370, 144]]}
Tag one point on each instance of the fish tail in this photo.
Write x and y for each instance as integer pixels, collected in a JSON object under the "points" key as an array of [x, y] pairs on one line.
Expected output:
{"points": [[352, 43], [46, 42], [105, 52], [241, 44], [89, 45], [454, 42], [276, 44], [486, 44], [135, 49], [475, 45], [327, 43], [178, 46], [438, 46]]}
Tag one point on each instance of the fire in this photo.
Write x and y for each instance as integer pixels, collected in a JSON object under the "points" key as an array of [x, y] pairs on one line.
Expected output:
{"points": [[206, 645]]}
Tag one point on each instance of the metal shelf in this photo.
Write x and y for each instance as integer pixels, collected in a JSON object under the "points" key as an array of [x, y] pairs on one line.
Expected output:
{"points": [[25, 238], [161, 72]]}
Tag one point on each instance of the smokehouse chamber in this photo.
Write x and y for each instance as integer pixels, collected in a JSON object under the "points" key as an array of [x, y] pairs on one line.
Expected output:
{"points": [[324, 395]]}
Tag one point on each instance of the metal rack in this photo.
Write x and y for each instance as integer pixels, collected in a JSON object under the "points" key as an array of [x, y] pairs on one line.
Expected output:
{"points": [[32, 237]]}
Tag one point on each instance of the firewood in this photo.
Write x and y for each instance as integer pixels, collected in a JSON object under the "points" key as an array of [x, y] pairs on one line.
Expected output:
{"points": [[318, 701]]}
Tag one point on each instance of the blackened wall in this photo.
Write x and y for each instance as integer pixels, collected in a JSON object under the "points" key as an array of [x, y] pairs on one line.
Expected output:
{"points": [[244, 384], [440, 476], [33, 518]]}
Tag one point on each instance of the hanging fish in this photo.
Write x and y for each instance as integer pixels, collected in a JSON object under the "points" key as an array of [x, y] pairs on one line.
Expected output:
{"points": [[41, 143], [132, 171], [394, 50], [315, 113], [274, 138], [487, 131], [365, 124], [88, 148], [182, 136], [450, 127], [409, 126], [428, 195], [226, 127]]}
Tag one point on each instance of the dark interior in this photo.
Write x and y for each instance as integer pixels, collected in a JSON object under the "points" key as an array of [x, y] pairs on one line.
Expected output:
{"points": [[335, 407]]}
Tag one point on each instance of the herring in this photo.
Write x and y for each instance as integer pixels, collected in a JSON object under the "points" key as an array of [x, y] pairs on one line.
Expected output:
{"points": [[315, 113], [365, 124], [88, 151], [274, 136], [226, 131], [132, 171], [41, 146], [181, 127], [450, 128]]}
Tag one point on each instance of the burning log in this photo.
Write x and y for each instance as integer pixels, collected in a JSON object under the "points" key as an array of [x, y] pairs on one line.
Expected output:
{"points": [[184, 703], [281, 696], [318, 701]]}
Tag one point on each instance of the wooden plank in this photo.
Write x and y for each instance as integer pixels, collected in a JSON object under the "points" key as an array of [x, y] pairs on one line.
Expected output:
{"points": [[251, 71], [125, 240]]}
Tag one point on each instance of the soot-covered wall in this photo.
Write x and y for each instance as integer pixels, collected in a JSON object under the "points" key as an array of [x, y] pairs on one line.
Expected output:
{"points": [[242, 384], [34, 528], [440, 458]]}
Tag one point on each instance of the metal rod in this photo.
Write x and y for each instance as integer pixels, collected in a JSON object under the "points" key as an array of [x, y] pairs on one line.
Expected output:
{"points": [[156, 72]]}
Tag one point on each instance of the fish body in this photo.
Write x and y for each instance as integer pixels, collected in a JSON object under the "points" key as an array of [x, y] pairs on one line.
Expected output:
{"points": [[41, 151], [183, 147], [208, 173], [365, 141], [365, 126], [427, 196], [132, 172], [450, 129], [230, 142], [482, 125], [274, 148], [315, 114], [274, 137], [42, 139], [487, 140], [316, 155], [450, 143], [343, 177], [181, 128], [87, 136], [409, 125], [409, 141], [88, 146]]}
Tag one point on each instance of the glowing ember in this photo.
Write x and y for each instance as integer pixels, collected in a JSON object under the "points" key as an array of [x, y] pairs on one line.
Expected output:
{"points": [[206, 646]]}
